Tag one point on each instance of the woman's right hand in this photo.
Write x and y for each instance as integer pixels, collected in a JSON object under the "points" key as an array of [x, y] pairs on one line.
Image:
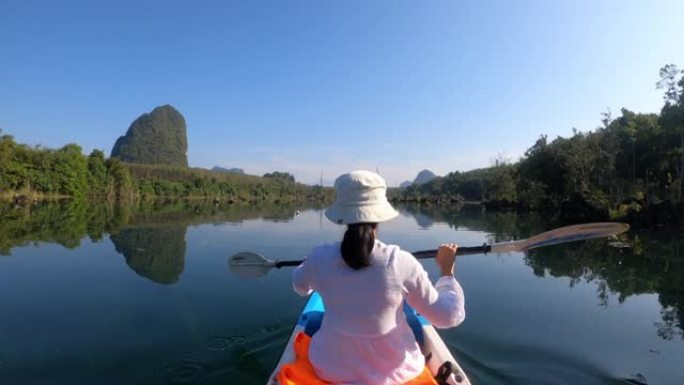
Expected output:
{"points": [[446, 258]]}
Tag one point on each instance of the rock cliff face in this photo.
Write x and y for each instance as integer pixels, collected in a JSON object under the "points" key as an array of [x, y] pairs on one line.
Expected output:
{"points": [[155, 138]]}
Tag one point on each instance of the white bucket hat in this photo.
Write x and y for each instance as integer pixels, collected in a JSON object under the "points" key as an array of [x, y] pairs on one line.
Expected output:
{"points": [[360, 197]]}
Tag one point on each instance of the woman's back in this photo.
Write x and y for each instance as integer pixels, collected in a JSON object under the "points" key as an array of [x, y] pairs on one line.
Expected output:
{"points": [[365, 302], [364, 337]]}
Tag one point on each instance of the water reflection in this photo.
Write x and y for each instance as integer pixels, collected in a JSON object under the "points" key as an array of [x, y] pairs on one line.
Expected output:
{"points": [[653, 265], [65, 223], [68, 222], [654, 262], [502, 226], [151, 238], [156, 253]]}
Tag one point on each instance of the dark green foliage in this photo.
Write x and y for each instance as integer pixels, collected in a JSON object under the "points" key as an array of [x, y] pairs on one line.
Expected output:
{"points": [[475, 185], [630, 166], [34, 173], [155, 138], [120, 182], [672, 121], [230, 170], [43, 171], [70, 171], [97, 173], [13, 171], [281, 176], [165, 181]]}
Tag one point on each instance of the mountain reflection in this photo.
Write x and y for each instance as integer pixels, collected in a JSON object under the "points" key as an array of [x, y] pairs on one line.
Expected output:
{"points": [[150, 235], [156, 253], [151, 238]]}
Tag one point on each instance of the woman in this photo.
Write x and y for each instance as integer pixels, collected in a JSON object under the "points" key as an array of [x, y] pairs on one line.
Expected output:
{"points": [[364, 337]]}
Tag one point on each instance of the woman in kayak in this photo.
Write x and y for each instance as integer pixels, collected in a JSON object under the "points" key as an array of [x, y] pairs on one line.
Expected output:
{"points": [[364, 337]]}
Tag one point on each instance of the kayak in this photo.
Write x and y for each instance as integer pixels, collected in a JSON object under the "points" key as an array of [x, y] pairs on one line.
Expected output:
{"points": [[438, 359]]}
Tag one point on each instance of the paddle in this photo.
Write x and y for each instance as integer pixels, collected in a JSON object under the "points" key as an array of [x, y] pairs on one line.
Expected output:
{"points": [[252, 265]]}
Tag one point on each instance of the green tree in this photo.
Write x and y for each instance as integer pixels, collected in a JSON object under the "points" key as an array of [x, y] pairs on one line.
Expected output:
{"points": [[12, 172], [281, 176], [97, 173], [672, 121], [501, 186], [120, 183], [71, 171]]}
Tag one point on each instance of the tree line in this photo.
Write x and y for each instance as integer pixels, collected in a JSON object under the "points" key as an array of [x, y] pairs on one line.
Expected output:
{"points": [[32, 173], [632, 166]]}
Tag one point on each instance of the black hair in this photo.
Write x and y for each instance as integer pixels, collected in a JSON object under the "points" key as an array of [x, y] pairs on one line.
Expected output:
{"points": [[357, 244]]}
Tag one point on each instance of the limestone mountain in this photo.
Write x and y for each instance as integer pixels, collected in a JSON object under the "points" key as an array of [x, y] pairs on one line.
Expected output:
{"points": [[158, 137], [424, 177]]}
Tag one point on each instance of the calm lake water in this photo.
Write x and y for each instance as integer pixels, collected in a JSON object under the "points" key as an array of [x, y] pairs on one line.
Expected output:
{"points": [[103, 295]]}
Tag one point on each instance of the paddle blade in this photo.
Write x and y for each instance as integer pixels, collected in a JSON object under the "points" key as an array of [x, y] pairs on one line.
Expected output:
{"points": [[249, 265], [564, 235]]}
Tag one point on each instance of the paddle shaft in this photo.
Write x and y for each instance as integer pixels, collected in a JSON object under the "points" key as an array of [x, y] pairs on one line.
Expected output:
{"points": [[254, 265], [423, 254]]}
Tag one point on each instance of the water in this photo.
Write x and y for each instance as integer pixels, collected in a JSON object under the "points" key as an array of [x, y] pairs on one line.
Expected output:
{"points": [[120, 295]]}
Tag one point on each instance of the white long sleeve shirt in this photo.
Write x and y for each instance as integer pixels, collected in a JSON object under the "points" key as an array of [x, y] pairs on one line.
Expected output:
{"points": [[364, 337]]}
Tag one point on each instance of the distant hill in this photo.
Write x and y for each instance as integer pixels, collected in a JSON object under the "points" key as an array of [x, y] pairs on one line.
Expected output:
{"points": [[424, 177], [229, 170], [158, 137]]}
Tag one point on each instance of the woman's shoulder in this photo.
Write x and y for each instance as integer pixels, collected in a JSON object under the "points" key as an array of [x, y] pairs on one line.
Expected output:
{"points": [[390, 248], [397, 255], [325, 250]]}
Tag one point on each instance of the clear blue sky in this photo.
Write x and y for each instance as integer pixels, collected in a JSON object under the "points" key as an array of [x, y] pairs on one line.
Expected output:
{"points": [[311, 86]]}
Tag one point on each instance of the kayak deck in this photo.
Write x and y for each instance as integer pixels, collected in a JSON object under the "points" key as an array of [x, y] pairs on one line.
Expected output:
{"points": [[435, 351]]}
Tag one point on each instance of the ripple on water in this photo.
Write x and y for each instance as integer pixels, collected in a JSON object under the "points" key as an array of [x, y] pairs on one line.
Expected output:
{"points": [[264, 333], [186, 371], [224, 359], [225, 343], [529, 365]]}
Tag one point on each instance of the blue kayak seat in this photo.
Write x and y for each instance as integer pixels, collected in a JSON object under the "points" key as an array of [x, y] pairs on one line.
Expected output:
{"points": [[313, 319], [414, 323]]}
